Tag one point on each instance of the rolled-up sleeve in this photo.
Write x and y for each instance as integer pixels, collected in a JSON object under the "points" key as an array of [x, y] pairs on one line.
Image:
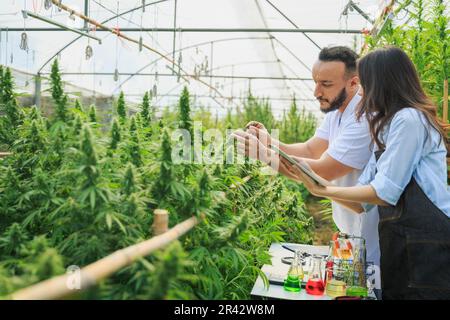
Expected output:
{"points": [[404, 145]]}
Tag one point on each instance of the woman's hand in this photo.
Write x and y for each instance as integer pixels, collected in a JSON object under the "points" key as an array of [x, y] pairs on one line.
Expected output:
{"points": [[297, 175]]}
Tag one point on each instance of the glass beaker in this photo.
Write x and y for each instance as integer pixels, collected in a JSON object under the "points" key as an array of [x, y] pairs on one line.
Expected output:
{"points": [[330, 259], [349, 247], [341, 249], [307, 265], [353, 249], [315, 284], [338, 277], [359, 262], [370, 276], [295, 274], [356, 291], [359, 286]]}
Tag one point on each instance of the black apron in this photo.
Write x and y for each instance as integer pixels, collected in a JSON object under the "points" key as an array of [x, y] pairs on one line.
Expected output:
{"points": [[415, 247]]}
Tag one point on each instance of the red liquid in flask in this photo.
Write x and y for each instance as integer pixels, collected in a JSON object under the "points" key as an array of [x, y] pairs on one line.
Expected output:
{"points": [[315, 287]]}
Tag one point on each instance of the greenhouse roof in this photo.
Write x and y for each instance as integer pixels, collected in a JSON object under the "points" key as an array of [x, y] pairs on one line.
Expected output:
{"points": [[222, 48]]}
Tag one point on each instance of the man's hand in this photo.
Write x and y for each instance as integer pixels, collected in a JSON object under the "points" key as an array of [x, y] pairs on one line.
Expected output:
{"points": [[249, 145], [256, 124], [259, 131]]}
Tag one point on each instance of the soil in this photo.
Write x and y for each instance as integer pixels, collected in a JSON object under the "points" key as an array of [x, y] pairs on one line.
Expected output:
{"points": [[324, 228]]}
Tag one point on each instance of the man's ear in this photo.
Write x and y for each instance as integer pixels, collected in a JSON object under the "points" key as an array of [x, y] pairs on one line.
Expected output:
{"points": [[354, 82]]}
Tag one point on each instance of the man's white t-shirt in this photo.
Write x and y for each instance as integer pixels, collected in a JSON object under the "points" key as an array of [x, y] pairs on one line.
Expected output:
{"points": [[349, 142]]}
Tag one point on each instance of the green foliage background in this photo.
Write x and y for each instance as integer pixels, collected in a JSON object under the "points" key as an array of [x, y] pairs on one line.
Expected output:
{"points": [[76, 189], [424, 34]]}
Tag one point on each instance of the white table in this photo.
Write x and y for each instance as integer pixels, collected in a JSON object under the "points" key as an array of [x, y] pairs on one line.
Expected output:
{"points": [[281, 269]]}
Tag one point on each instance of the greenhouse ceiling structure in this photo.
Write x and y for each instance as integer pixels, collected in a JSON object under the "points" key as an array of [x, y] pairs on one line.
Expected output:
{"points": [[220, 48]]}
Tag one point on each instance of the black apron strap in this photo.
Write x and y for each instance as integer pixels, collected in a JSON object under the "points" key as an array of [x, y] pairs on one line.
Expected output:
{"points": [[415, 247]]}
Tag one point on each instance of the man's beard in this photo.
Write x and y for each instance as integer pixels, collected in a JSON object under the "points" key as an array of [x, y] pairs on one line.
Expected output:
{"points": [[336, 103]]}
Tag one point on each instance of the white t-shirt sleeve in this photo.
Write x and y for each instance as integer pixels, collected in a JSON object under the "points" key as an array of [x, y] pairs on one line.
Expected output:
{"points": [[323, 132], [353, 146]]}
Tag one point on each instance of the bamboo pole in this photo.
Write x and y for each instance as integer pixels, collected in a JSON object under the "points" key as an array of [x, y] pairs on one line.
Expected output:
{"points": [[5, 154], [448, 170], [445, 119], [160, 222], [445, 104], [62, 286], [382, 18]]}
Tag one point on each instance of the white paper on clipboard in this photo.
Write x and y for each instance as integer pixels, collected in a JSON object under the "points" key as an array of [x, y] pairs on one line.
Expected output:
{"points": [[304, 167]]}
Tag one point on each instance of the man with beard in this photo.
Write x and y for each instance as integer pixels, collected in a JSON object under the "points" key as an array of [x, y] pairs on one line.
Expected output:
{"points": [[341, 146]]}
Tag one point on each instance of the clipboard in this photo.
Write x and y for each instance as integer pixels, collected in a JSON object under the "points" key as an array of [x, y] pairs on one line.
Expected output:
{"points": [[303, 166]]}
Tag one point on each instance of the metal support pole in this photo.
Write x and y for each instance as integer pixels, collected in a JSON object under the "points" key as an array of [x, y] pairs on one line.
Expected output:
{"points": [[37, 90], [174, 35], [232, 80], [211, 65], [86, 13]]}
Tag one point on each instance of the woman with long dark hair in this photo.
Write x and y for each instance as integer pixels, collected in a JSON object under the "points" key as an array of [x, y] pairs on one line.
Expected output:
{"points": [[406, 178]]}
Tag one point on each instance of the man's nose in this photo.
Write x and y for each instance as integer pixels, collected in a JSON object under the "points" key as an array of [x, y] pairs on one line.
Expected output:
{"points": [[317, 92]]}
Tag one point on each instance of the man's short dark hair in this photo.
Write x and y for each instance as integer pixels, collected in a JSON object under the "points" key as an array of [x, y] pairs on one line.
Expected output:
{"points": [[342, 54]]}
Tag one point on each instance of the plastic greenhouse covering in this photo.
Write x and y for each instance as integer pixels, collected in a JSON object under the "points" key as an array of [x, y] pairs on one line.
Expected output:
{"points": [[192, 40]]}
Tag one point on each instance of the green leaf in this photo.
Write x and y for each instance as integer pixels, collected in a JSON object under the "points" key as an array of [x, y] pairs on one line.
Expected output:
{"points": [[92, 197], [108, 221]]}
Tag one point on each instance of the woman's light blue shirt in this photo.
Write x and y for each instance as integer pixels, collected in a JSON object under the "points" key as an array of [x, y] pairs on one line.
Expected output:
{"points": [[413, 149]]}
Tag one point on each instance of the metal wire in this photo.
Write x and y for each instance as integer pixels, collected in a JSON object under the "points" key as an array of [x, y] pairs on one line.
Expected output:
{"points": [[24, 41], [105, 21], [89, 52], [287, 18], [130, 21], [272, 45]]}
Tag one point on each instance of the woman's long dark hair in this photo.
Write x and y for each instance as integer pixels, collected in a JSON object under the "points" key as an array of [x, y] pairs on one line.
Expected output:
{"points": [[390, 83]]}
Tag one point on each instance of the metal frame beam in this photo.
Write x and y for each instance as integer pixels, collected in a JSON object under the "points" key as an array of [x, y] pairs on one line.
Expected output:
{"points": [[224, 97], [62, 27], [104, 21], [204, 30], [186, 48], [172, 75]]}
